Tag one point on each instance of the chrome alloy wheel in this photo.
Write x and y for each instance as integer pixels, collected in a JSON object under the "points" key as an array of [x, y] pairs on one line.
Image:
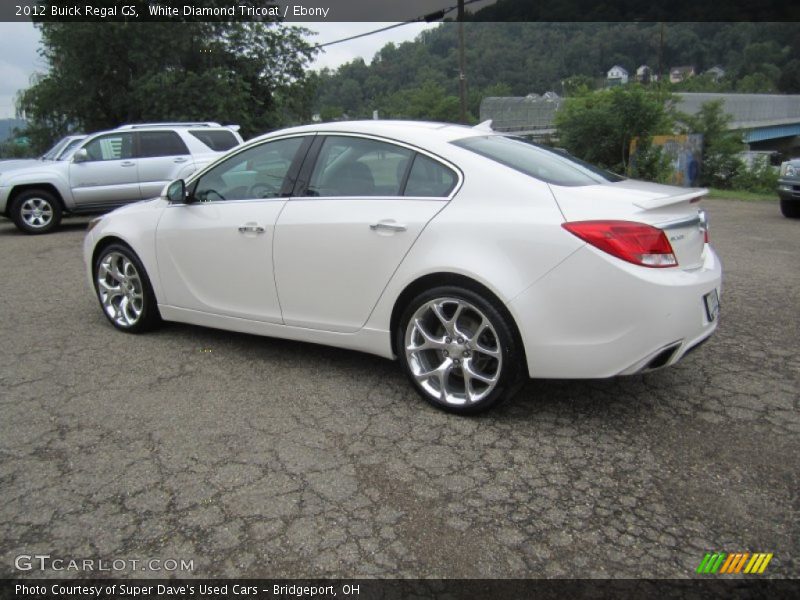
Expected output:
{"points": [[453, 351], [119, 286], [36, 212]]}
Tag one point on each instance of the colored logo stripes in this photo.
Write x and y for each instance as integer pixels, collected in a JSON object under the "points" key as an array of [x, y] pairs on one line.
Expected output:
{"points": [[737, 562]]}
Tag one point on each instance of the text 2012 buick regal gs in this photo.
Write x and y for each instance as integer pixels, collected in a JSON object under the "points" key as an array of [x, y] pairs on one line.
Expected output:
{"points": [[476, 259]]}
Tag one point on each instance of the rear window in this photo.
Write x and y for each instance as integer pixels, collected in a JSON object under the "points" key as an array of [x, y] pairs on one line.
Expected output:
{"points": [[540, 162], [218, 140]]}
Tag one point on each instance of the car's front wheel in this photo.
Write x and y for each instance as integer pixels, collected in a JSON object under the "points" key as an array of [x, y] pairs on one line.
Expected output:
{"points": [[36, 211], [124, 290], [790, 208], [459, 350]]}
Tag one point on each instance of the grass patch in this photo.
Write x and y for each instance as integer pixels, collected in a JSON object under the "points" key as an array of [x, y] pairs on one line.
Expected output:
{"points": [[740, 195]]}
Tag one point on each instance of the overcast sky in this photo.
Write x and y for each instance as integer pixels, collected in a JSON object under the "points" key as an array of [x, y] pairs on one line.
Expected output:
{"points": [[19, 43]]}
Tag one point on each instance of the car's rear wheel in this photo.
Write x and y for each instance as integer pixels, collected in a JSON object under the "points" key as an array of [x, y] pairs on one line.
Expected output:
{"points": [[124, 290], [459, 350], [791, 208], [36, 211]]}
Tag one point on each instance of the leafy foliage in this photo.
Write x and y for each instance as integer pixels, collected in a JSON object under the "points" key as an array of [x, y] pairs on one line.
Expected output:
{"points": [[105, 74], [720, 145], [526, 57], [599, 126], [760, 178]]}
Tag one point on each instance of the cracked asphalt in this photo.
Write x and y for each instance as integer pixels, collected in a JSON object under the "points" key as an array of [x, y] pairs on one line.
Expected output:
{"points": [[258, 457]]}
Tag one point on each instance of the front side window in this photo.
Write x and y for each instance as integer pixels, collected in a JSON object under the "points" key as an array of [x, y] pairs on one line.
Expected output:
{"points": [[114, 146], [161, 143], [258, 172], [352, 166], [537, 161]]}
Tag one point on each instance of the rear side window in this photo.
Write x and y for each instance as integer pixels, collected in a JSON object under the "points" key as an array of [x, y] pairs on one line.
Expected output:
{"points": [[161, 143], [428, 178], [537, 161], [353, 166], [217, 140]]}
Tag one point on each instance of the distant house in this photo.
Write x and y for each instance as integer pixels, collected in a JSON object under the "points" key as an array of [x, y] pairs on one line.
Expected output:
{"points": [[617, 75], [644, 74], [678, 74], [716, 72]]}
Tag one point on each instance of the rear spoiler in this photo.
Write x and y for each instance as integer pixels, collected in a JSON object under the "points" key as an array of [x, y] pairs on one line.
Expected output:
{"points": [[692, 195]]}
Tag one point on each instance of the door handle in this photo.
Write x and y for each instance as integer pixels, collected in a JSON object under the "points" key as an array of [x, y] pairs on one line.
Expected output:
{"points": [[181, 159], [251, 228], [387, 226], [128, 163]]}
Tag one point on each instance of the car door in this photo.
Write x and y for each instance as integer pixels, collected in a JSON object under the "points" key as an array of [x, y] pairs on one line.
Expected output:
{"points": [[160, 156], [108, 176], [339, 241], [215, 253]]}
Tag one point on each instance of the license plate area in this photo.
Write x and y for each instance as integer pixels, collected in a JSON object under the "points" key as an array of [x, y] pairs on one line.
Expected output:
{"points": [[711, 301]]}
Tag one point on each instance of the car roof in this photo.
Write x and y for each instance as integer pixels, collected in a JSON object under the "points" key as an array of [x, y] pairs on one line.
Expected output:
{"points": [[413, 132]]}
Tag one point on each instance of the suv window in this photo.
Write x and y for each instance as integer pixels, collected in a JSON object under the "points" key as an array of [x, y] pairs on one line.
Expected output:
{"points": [[114, 146], [68, 148], [352, 166], [537, 161], [161, 143], [429, 178], [218, 140], [258, 172]]}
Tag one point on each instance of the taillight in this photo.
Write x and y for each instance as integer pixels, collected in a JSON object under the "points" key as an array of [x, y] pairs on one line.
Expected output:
{"points": [[704, 224], [636, 243]]}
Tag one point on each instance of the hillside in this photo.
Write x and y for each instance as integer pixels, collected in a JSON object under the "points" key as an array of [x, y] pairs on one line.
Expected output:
{"points": [[420, 78]]}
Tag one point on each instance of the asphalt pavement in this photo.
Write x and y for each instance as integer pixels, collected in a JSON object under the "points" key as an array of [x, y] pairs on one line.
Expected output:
{"points": [[259, 457]]}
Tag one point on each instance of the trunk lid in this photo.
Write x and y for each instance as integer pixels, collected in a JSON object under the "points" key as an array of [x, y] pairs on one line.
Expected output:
{"points": [[672, 209]]}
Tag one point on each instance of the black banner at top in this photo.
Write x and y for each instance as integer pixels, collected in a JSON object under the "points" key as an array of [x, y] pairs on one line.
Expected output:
{"points": [[395, 10]]}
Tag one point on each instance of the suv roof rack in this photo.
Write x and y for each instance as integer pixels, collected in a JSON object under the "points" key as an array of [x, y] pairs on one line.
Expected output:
{"points": [[169, 124]]}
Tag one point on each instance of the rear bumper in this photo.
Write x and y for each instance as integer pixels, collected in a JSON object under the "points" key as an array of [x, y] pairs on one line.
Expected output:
{"points": [[594, 316]]}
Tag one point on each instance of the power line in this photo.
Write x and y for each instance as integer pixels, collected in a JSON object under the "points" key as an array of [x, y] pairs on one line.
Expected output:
{"points": [[429, 18]]}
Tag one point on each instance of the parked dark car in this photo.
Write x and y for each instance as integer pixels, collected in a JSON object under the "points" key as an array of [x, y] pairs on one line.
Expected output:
{"points": [[789, 188]]}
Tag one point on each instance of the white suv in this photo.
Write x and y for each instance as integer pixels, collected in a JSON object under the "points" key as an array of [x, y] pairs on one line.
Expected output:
{"points": [[109, 169]]}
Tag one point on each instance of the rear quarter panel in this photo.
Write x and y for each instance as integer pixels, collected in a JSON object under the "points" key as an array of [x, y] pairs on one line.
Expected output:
{"points": [[502, 229]]}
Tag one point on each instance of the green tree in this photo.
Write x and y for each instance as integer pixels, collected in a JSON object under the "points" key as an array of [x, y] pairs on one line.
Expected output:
{"points": [[720, 144], [599, 126], [104, 74]]}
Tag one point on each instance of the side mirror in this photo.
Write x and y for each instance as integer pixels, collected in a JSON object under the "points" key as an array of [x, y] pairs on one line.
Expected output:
{"points": [[175, 192], [81, 155]]}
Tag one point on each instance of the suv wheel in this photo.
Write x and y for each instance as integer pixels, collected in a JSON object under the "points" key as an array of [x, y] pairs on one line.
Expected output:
{"points": [[791, 208], [36, 211]]}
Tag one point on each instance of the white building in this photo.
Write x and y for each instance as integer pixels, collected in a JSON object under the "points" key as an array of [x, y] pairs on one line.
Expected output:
{"points": [[617, 75]]}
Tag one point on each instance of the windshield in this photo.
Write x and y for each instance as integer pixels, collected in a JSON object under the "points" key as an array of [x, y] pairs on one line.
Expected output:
{"points": [[66, 152], [62, 148], [53, 152], [541, 162]]}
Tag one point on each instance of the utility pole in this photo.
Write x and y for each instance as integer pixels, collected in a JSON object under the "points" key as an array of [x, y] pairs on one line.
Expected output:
{"points": [[661, 54], [462, 76]]}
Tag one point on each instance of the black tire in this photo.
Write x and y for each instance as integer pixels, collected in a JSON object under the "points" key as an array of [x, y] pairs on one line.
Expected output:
{"points": [[137, 290], [790, 208], [36, 211], [508, 370]]}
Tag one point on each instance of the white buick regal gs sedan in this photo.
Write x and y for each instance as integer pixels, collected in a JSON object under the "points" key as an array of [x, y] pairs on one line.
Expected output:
{"points": [[476, 259]]}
